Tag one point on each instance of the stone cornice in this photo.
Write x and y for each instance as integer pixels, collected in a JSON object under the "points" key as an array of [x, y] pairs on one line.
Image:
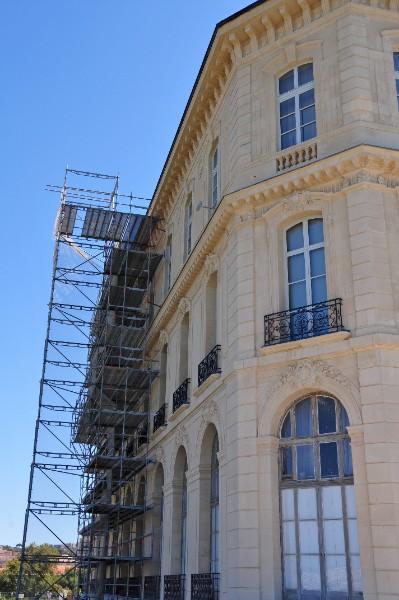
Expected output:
{"points": [[359, 166], [235, 42]]}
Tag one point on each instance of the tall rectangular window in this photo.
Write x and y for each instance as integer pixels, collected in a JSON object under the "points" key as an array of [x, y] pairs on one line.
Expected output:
{"points": [[297, 106], [168, 263], [396, 67], [215, 176], [188, 226]]}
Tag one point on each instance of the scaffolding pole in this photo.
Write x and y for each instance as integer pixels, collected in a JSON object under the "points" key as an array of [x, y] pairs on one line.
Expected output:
{"points": [[90, 449]]}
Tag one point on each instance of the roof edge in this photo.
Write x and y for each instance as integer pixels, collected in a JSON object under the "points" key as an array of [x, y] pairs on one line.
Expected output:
{"points": [[218, 26]]}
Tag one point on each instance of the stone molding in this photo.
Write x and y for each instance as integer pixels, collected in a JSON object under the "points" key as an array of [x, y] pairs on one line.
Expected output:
{"points": [[362, 165], [237, 42]]}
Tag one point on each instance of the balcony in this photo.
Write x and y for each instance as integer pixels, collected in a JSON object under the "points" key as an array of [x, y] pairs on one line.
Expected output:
{"points": [[174, 587], [152, 587], [159, 418], [205, 586], [209, 365], [304, 322], [181, 395]]}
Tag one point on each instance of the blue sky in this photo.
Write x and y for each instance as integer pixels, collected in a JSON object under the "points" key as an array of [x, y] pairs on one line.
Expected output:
{"points": [[100, 85]]}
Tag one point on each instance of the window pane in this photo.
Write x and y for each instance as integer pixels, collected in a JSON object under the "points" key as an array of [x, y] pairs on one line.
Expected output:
{"points": [[286, 428], [287, 504], [287, 107], [344, 419], [306, 99], [305, 462], [308, 132], [350, 501], [287, 123], [353, 536], [290, 577], [286, 463], [303, 417], [332, 502], [334, 541], [215, 158], [396, 60], [310, 573], [329, 459], [288, 139], [315, 231], [305, 73], [296, 268], [308, 115], [337, 579], [289, 543], [307, 507], [286, 82], [347, 456], [317, 263], [297, 295], [357, 585], [308, 537], [326, 414], [397, 86], [319, 289], [295, 237]]}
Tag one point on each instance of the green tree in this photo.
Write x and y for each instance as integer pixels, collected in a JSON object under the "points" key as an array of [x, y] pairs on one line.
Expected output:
{"points": [[39, 573]]}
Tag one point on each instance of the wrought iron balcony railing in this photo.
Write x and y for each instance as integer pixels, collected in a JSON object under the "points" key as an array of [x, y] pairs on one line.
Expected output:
{"points": [[304, 322], [181, 395], [205, 586], [152, 587], [174, 587], [209, 365], [159, 418]]}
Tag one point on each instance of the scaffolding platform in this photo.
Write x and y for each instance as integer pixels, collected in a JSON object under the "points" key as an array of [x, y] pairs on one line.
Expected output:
{"points": [[97, 377]]}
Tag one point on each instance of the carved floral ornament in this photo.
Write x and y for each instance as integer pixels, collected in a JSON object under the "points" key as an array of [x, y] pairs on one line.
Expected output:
{"points": [[183, 307], [209, 416], [211, 265], [300, 378]]}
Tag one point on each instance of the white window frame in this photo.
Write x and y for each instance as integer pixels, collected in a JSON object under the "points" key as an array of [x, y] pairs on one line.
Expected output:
{"points": [[295, 93], [188, 226], [306, 251], [215, 172]]}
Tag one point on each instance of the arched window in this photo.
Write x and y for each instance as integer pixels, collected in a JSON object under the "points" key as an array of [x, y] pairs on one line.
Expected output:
{"points": [[396, 67], [188, 226], [215, 176], [214, 504], [183, 523], [306, 267], [297, 106], [320, 548], [184, 333]]}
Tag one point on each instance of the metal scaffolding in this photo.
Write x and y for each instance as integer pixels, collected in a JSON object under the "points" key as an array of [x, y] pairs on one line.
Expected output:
{"points": [[90, 455]]}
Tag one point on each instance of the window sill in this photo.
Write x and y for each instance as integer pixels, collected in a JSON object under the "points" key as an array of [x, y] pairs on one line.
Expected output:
{"points": [[328, 338], [206, 384], [178, 411]]}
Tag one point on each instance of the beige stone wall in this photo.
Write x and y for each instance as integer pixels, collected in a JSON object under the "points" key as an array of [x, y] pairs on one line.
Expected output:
{"points": [[353, 186]]}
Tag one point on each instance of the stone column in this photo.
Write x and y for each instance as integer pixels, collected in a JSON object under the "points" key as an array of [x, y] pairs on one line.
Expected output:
{"points": [[363, 512], [269, 515]]}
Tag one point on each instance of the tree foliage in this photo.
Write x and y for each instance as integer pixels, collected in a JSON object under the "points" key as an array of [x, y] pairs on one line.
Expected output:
{"points": [[39, 573]]}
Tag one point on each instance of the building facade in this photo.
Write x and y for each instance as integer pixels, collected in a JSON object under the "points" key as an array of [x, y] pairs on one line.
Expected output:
{"points": [[275, 416]]}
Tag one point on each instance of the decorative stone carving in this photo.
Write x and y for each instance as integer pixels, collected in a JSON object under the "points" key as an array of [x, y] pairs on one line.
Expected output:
{"points": [[299, 202], [211, 265], [183, 308], [308, 373], [163, 338]]}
